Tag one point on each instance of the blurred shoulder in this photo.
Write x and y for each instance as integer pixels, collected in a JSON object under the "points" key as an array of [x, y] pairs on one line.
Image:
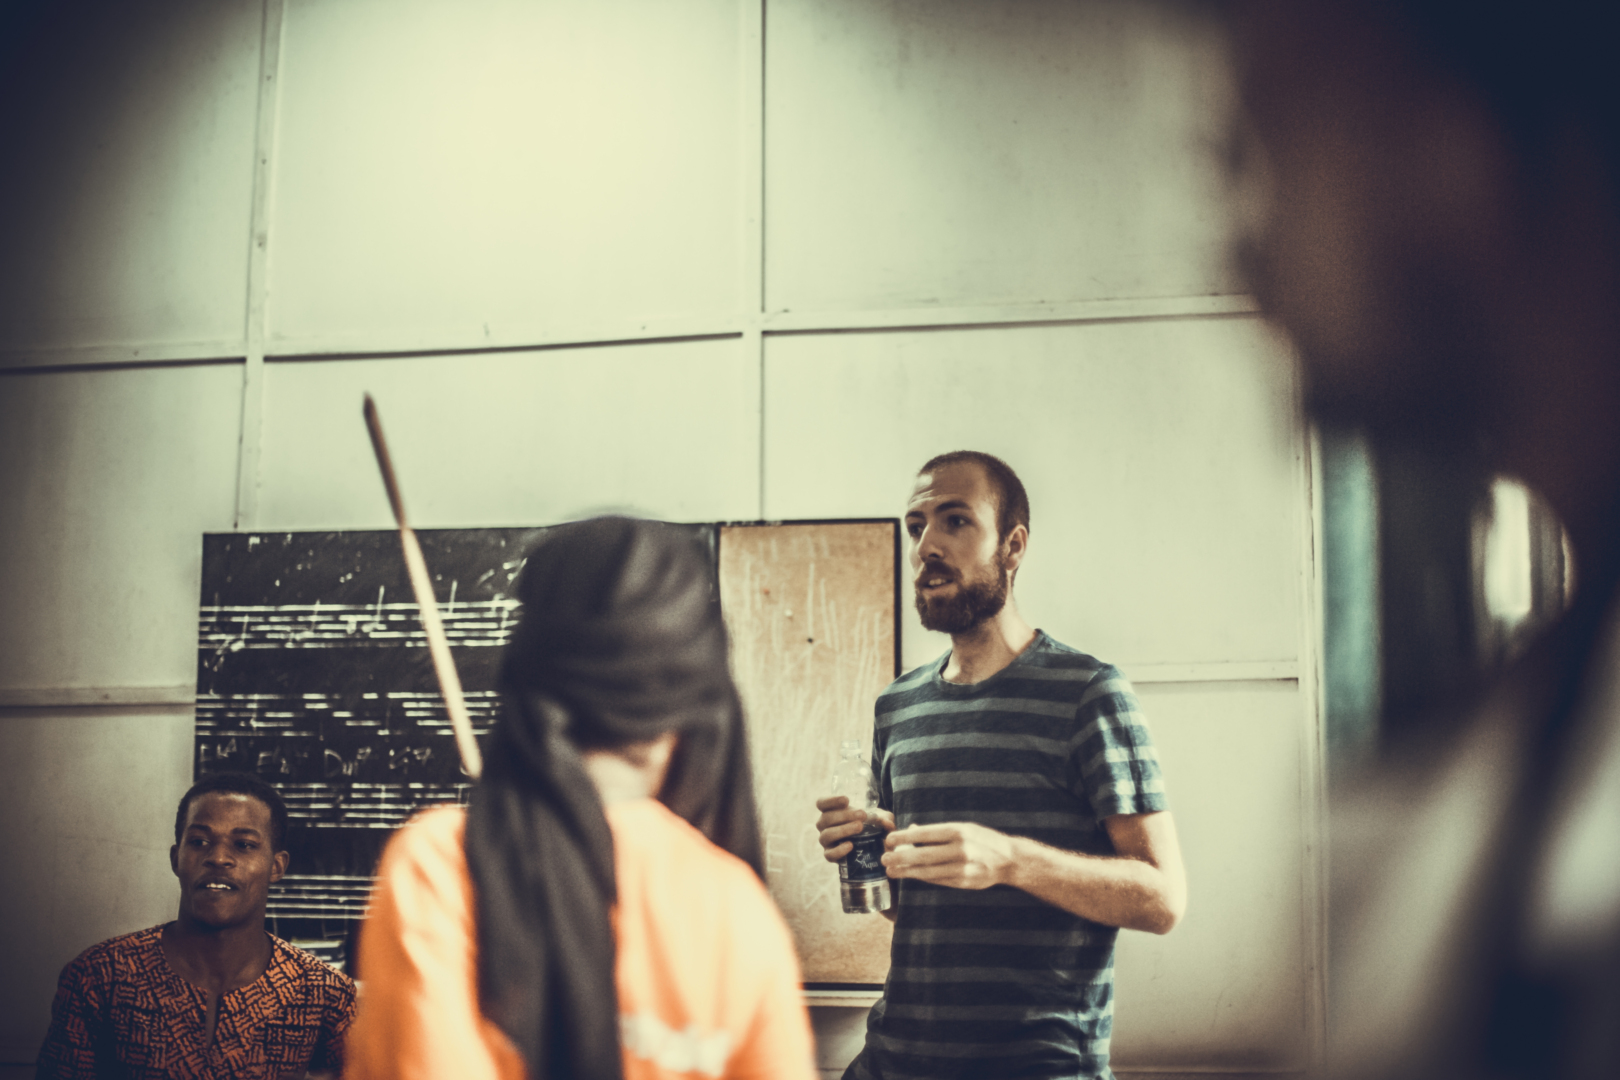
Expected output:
{"points": [[434, 833], [647, 830]]}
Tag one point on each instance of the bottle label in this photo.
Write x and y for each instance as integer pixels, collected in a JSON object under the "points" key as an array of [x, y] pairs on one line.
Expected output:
{"points": [[865, 863]]}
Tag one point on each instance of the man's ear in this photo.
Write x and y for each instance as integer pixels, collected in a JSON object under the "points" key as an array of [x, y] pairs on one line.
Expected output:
{"points": [[278, 865], [1014, 547], [174, 859]]}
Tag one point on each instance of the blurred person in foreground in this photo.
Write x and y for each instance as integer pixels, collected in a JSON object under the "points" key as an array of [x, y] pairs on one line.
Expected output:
{"points": [[1437, 225], [210, 994], [598, 909]]}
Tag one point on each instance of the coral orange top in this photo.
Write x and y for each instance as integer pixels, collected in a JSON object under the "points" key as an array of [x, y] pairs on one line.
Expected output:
{"points": [[708, 980]]}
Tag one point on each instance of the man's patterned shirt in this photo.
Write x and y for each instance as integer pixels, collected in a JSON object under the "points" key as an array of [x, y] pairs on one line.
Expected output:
{"points": [[121, 1010]]}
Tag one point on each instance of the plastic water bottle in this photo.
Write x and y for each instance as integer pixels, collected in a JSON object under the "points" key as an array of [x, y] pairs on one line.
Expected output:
{"points": [[862, 883]]}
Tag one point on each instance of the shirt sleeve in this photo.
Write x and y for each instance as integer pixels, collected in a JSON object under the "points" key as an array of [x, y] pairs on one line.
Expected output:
{"points": [[335, 1025], [418, 1017], [1115, 766], [77, 1035], [778, 1045]]}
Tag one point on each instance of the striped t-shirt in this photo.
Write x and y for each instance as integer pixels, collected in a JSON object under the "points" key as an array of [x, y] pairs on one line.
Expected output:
{"points": [[993, 982]]}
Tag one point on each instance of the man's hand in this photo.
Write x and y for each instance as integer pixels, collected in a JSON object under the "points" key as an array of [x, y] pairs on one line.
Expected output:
{"points": [[1143, 886], [960, 855], [838, 823]]}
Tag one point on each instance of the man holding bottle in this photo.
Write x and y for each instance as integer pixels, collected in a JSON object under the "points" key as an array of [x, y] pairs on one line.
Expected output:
{"points": [[1025, 814]]}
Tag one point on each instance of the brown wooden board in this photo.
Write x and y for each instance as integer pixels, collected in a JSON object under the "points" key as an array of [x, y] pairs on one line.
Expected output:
{"points": [[811, 612]]}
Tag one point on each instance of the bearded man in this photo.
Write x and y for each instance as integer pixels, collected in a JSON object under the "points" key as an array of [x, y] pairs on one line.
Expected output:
{"points": [[1026, 815]]}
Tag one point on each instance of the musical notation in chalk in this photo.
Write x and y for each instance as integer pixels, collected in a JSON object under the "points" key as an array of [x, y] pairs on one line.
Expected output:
{"points": [[228, 628], [319, 896], [313, 673], [311, 714]]}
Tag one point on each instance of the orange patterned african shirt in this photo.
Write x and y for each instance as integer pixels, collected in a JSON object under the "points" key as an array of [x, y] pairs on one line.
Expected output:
{"points": [[121, 1010]]}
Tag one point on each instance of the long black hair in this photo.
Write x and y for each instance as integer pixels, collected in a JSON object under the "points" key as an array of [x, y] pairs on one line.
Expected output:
{"points": [[619, 641]]}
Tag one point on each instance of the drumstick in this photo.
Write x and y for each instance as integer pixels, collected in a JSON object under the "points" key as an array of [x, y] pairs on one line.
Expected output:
{"points": [[472, 762]]}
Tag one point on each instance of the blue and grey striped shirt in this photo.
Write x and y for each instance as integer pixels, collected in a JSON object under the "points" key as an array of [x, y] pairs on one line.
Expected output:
{"points": [[993, 982]]}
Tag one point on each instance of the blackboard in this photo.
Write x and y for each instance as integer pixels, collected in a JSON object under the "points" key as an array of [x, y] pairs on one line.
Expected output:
{"points": [[313, 673]]}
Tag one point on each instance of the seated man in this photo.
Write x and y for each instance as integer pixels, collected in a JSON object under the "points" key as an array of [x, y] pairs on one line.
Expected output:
{"points": [[210, 994]]}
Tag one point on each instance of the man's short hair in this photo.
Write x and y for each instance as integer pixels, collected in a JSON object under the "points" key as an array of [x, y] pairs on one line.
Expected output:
{"points": [[238, 783], [1012, 504]]}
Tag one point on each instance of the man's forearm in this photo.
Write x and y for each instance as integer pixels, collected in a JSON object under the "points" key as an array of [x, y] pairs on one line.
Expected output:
{"points": [[1110, 889]]}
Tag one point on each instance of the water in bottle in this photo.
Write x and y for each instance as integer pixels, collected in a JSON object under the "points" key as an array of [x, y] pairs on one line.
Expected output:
{"points": [[862, 882]]}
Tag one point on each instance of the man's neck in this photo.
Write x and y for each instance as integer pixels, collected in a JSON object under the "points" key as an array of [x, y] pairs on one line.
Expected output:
{"points": [[979, 653], [217, 960]]}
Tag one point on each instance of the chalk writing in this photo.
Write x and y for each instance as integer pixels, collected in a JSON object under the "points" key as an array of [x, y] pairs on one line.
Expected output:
{"points": [[313, 673]]}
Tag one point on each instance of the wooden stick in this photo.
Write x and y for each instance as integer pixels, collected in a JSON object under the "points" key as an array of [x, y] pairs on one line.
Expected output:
{"points": [[444, 665]]}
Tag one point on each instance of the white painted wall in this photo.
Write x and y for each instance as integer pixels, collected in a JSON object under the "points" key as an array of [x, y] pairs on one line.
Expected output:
{"points": [[714, 260], [501, 438], [565, 162], [932, 154], [1158, 456], [129, 147]]}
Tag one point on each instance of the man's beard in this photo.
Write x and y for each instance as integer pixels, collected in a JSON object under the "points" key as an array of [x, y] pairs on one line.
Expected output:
{"points": [[974, 602]]}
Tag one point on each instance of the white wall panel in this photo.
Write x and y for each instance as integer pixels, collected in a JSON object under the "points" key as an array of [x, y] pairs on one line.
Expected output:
{"points": [[128, 135], [463, 169], [521, 438], [1159, 459], [1227, 987], [110, 479], [924, 152], [88, 799]]}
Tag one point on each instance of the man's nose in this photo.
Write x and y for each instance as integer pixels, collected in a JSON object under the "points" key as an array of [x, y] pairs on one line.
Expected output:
{"points": [[219, 855], [928, 545]]}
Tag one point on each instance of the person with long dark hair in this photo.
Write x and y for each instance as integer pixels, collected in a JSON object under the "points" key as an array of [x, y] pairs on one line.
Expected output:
{"points": [[598, 910]]}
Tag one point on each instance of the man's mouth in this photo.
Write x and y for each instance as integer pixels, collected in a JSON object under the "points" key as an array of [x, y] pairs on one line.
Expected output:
{"points": [[217, 886], [933, 581]]}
